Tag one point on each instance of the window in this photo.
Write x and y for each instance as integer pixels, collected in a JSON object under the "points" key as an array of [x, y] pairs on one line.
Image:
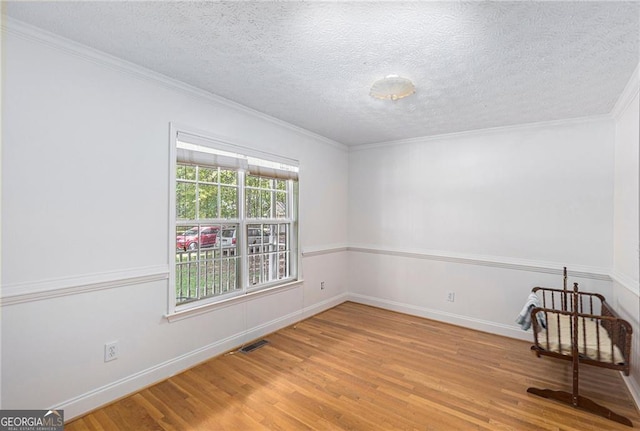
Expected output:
{"points": [[235, 219]]}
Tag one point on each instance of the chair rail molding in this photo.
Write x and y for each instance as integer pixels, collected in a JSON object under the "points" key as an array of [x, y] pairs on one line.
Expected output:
{"points": [[52, 288], [580, 271]]}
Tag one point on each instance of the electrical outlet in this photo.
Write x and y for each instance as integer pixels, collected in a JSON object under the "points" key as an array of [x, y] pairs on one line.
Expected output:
{"points": [[322, 285], [451, 296], [111, 351]]}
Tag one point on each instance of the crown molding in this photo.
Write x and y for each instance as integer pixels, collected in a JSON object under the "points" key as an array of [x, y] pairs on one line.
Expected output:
{"points": [[628, 94], [26, 31], [34, 34], [483, 132]]}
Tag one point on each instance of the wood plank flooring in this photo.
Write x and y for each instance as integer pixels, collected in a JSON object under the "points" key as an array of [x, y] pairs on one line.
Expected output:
{"points": [[356, 367]]}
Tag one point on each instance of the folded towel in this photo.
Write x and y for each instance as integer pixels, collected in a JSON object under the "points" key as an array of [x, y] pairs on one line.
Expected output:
{"points": [[524, 318]]}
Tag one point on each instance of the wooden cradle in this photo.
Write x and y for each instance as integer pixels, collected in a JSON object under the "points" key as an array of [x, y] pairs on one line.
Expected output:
{"points": [[580, 327]]}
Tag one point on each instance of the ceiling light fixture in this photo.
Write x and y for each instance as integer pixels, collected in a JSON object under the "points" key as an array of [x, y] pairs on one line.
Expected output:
{"points": [[392, 87]]}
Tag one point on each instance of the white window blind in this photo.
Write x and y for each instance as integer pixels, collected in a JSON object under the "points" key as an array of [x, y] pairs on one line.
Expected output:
{"points": [[194, 149]]}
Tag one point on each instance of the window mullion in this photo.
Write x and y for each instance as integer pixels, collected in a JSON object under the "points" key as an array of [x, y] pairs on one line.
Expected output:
{"points": [[219, 212], [197, 214], [292, 215], [271, 249], [272, 195], [197, 219], [241, 232]]}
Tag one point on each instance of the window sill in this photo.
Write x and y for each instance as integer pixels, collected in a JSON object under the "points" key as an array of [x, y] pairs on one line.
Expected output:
{"points": [[211, 306]]}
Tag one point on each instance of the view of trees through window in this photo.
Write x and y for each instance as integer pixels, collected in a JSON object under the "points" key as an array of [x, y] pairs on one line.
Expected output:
{"points": [[206, 193], [233, 231]]}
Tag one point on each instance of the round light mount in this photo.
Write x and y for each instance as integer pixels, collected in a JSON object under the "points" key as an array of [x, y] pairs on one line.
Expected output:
{"points": [[392, 87]]}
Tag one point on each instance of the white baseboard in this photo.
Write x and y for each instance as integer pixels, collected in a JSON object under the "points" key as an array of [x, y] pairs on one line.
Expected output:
{"points": [[442, 316], [481, 325], [98, 397], [634, 388]]}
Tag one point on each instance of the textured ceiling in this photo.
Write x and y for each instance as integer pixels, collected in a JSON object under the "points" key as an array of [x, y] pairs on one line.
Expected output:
{"points": [[475, 64]]}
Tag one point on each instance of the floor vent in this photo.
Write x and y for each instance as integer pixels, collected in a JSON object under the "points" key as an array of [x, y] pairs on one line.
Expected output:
{"points": [[253, 346]]}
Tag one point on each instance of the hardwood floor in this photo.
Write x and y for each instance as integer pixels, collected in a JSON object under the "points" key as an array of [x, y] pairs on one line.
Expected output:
{"points": [[356, 367]]}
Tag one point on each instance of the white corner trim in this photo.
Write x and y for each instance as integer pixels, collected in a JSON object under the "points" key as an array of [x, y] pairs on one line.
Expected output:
{"points": [[626, 97], [98, 397], [634, 387], [627, 282], [491, 261], [26, 31], [483, 132], [312, 251], [45, 289], [511, 331]]}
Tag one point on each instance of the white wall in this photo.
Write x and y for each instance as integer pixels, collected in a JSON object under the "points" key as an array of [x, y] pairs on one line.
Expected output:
{"points": [[486, 215], [85, 225], [539, 193], [627, 219], [626, 236]]}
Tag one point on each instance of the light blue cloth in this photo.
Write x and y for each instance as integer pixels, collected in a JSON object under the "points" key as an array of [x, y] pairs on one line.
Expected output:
{"points": [[524, 318]]}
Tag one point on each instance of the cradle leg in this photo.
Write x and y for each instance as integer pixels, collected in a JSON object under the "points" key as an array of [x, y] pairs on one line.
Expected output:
{"points": [[562, 396], [582, 403], [587, 404]]}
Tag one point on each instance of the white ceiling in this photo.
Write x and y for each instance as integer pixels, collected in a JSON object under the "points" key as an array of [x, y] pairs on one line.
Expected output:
{"points": [[475, 64]]}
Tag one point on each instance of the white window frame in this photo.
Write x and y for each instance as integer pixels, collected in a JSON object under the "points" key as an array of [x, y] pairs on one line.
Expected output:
{"points": [[266, 165]]}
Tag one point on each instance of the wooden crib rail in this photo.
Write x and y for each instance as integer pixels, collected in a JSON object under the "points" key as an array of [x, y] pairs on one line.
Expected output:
{"points": [[605, 340], [620, 331], [558, 299]]}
